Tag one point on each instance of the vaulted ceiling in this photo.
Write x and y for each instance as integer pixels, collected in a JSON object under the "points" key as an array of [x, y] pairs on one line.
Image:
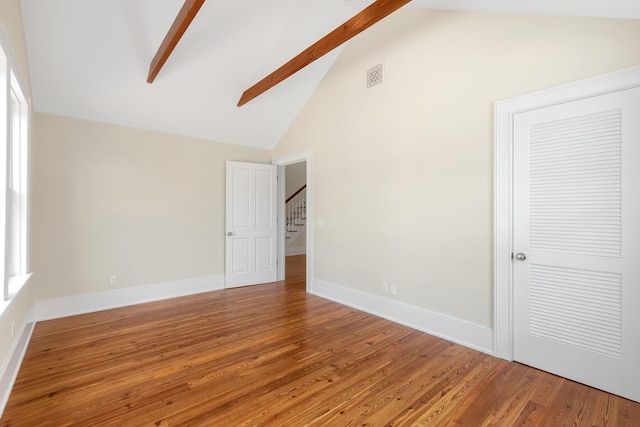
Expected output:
{"points": [[90, 59]]}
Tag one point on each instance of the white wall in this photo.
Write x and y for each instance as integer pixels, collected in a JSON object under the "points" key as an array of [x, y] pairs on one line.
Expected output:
{"points": [[403, 172], [110, 200]]}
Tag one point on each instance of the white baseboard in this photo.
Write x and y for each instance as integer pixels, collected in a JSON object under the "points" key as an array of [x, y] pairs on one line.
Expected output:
{"points": [[80, 304], [296, 251], [11, 367], [459, 331]]}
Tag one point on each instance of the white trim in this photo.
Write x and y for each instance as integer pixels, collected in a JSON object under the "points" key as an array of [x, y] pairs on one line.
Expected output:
{"points": [[282, 220], [11, 366], [503, 177], [303, 156], [18, 282], [13, 80], [4, 305], [459, 331], [88, 303]]}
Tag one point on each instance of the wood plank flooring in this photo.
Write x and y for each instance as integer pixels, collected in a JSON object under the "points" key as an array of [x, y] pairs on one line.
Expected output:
{"points": [[274, 355]]}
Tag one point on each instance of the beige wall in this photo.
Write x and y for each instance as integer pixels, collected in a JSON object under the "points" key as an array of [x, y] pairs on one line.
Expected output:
{"points": [[109, 200], [295, 177], [17, 312], [403, 172]]}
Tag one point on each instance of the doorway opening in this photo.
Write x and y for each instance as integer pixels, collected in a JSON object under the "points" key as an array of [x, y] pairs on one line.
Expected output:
{"points": [[295, 218], [295, 230]]}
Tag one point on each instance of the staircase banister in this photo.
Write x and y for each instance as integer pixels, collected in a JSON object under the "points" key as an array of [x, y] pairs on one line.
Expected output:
{"points": [[296, 193]]}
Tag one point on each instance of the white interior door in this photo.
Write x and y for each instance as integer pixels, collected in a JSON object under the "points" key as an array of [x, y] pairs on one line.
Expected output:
{"points": [[577, 240], [251, 226]]}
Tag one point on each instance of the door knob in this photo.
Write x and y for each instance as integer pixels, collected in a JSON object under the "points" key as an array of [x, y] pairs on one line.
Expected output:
{"points": [[229, 234], [520, 256]]}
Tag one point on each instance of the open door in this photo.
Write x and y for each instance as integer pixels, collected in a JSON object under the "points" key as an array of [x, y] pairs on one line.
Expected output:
{"points": [[251, 224]]}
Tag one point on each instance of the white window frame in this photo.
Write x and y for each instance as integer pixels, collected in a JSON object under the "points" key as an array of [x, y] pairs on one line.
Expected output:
{"points": [[15, 107]]}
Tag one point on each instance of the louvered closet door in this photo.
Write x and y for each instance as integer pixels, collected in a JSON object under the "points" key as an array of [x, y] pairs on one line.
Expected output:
{"points": [[577, 221]]}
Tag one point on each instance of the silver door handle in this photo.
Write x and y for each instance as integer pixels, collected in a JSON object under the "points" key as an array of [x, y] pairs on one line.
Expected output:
{"points": [[520, 256], [229, 234]]}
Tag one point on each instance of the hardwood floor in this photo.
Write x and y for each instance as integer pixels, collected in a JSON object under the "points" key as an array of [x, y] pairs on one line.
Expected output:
{"points": [[274, 355]]}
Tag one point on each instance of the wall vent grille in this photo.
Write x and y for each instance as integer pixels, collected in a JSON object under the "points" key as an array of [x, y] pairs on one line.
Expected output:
{"points": [[374, 75]]}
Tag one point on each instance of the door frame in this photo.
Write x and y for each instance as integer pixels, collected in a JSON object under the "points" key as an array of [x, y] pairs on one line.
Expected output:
{"points": [[504, 112], [281, 162]]}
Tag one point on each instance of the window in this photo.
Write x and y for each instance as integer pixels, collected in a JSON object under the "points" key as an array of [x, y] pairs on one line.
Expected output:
{"points": [[14, 162], [17, 186]]}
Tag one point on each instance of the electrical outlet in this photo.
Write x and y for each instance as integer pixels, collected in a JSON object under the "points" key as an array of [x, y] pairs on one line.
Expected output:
{"points": [[385, 288], [393, 290], [13, 328], [113, 280]]}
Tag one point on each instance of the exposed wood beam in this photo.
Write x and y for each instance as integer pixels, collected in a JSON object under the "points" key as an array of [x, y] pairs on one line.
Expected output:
{"points": [[354, 26], [188, 11]]}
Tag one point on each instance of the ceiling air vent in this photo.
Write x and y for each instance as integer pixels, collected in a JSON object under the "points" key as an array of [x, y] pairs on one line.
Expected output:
{"points": [[374, 76]]}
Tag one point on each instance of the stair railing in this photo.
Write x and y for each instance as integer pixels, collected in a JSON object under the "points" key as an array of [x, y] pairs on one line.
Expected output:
{"points": [[296, 210]]}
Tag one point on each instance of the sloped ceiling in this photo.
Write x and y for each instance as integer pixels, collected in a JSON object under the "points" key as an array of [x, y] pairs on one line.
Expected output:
{"points": [[89, 59]]}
